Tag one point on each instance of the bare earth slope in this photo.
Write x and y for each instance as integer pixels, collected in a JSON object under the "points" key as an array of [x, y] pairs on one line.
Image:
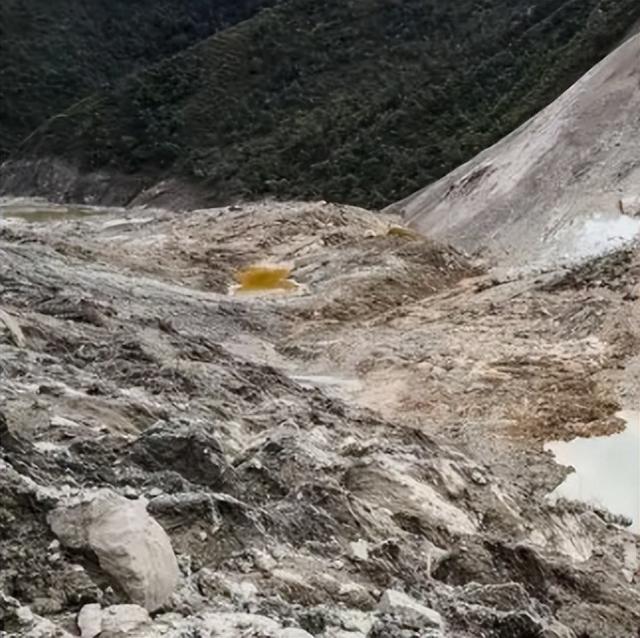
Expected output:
{"points": [[378, 428], [566, 182]]}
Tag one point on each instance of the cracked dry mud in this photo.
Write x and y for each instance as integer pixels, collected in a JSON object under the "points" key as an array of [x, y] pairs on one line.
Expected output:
{"points": [[379, 428]]}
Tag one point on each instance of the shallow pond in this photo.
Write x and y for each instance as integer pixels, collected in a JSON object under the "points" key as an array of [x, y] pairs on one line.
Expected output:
{"points": [[607, 470]]}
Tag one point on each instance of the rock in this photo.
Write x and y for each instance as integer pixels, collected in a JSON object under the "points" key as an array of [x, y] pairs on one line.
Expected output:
{"points": [[354, 620], [630, 205], [47, 605], [17, 620], [292, 632], [130, 492], [14, 329], [355, 595], [233, 625], [185, 505], [264, 561], [130, 545], [79, 589], [90, 621], [409, 610], [557, 630], [451, 478], [478, 477], [118, 619], [243, 593], [189, 449], [124, 618], [518, 623], [24, 615], [359, 550]]}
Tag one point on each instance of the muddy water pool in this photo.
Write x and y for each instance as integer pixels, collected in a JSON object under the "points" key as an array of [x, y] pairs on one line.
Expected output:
{"points": [[37, 211]]}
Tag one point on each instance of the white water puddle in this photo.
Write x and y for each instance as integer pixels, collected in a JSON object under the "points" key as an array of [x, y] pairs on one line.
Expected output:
{"points": [[607, 470], [600, 235]]}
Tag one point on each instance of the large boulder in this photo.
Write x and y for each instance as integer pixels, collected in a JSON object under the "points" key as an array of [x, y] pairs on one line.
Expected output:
{"points": [[131, 547]]}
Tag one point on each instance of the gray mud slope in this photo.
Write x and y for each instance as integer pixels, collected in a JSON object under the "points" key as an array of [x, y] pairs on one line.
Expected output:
{"points": [[538, 187], [274, 437]]}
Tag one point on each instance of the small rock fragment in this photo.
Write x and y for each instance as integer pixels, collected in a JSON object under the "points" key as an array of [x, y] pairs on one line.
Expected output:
{"points": [[243, 593], [359, 550], [263, 561], [24, 615], [357, 621], [130, 492], [478, 477]]}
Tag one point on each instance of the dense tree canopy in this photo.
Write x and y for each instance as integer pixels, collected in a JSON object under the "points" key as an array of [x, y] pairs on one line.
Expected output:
{"points": [[359, 100], [53, 52]]}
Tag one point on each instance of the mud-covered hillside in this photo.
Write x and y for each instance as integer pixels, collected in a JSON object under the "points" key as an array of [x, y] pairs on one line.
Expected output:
{"points": [[566, 184], [357, 455]]}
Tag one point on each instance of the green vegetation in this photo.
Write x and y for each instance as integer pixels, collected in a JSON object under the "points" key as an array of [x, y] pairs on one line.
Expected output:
{"points": [[351, 100], [53, 52]]}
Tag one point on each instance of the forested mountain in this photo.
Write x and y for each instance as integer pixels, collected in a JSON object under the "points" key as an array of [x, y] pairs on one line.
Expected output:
{"points": [[361, 101], [53, 52]]}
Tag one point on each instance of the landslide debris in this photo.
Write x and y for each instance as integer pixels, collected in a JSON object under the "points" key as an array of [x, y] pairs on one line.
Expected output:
{"points": [[360, 458]]}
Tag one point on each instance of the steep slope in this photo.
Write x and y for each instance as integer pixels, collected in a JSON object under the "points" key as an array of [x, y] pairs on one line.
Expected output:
{"points": [[566, 183], [54, 53], [361, 102]]}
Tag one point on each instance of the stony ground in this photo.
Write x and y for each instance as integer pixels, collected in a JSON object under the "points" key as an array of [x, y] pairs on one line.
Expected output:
{"points": [[361, 456]]}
